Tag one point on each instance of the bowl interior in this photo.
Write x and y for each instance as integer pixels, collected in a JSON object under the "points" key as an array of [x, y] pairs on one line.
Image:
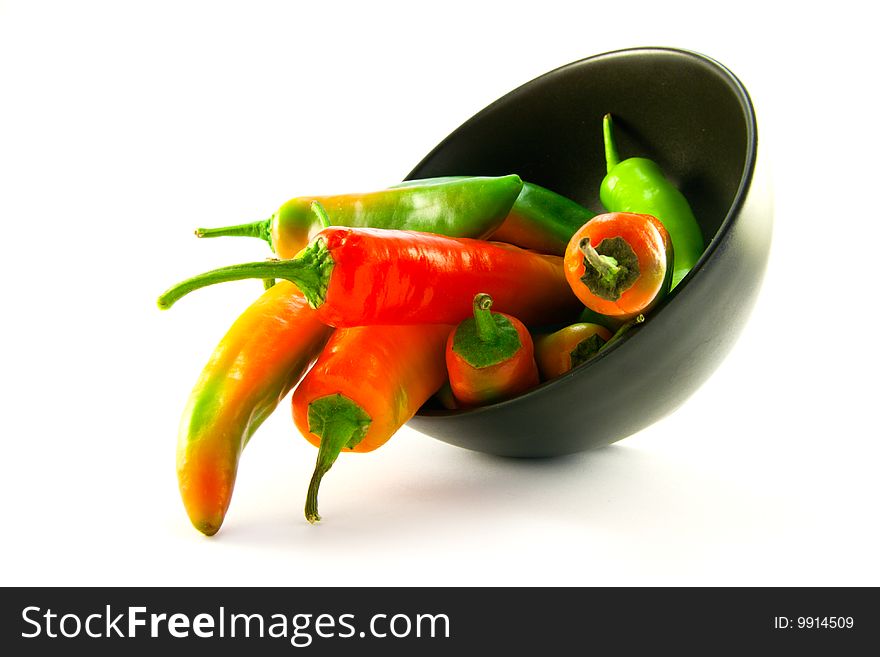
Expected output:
{"points": [[672, 106]]}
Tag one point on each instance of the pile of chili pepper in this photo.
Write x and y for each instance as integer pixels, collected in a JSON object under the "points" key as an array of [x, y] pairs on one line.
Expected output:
{"points": [[462, 290]]}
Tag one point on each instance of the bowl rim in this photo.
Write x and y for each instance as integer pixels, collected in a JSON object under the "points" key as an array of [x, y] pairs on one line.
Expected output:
{"points": [[733, 210]]}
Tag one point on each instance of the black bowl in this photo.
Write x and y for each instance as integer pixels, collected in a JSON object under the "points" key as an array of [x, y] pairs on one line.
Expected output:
{"points": [[695, 118]]}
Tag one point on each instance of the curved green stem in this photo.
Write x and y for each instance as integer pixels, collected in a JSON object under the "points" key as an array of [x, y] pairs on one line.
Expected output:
{"points": [[332, 441], [612, 158], [339, 422], [487, 329], [260, 229], [310, 271], [321, 213], [624, 328]]}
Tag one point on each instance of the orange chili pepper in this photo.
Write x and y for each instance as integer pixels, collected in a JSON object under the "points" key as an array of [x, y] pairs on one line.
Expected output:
{"points": [[489, 356], [620, 264], [556, 353], [367, 383]]}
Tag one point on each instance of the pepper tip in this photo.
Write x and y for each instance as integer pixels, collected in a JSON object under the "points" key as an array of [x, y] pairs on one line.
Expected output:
{"points": [[208, 527]]}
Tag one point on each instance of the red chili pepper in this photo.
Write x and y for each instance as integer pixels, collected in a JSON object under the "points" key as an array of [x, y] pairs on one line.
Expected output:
{"points": [[620, 264], [490, 356], [365, 276], [367, 383]]}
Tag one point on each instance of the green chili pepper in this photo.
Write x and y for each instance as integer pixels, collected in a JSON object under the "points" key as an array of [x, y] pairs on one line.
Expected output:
{"points": [[467, 207], [638, 185], [539, 219]]}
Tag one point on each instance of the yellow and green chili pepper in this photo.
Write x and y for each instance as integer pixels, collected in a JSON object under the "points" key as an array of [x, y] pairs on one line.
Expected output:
{"points": [[464, 207], [263, 355]]}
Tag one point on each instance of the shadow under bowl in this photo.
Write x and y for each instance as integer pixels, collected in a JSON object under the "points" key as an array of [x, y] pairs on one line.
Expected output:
{"points": [[694, 117]]}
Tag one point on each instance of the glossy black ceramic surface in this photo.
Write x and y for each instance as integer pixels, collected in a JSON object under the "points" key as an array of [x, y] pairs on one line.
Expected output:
{"points": [[695, 118]]}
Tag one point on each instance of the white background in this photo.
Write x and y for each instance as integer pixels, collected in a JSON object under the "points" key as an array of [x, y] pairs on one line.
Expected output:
{"points": [[124, 125]]}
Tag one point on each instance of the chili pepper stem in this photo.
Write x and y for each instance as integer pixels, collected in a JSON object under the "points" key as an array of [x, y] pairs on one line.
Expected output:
{"points": [[487, 329], [586, 349], [309, 271], [489, 339], [606, 266], [612, 157], [339, 422], [321, 213], [327, 454], [624, 328], [269, 283], [260, 229]]}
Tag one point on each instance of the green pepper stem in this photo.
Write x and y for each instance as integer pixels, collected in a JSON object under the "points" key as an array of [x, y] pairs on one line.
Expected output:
{"points": [[291, 270], [489, 339], [269, 283], [606, 266], [260, 229], [321, 213], [339, 422], [310, 271], [487, 330], [612, 157], [336, 435], [624, 328], [586, 349]]}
